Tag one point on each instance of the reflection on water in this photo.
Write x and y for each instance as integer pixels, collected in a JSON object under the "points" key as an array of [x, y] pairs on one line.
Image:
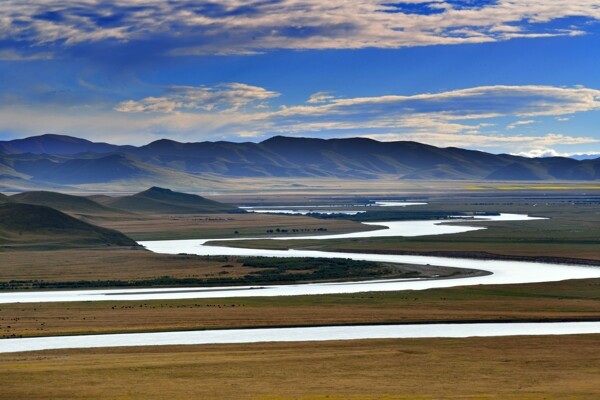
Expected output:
{"points": [[299, 334]]}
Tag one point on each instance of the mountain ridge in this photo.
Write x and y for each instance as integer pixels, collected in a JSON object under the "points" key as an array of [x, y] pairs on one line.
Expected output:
{"points": [[188, 164]]}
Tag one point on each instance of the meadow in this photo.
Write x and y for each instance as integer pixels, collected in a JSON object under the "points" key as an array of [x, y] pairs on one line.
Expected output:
{"points": [[530, 368]]}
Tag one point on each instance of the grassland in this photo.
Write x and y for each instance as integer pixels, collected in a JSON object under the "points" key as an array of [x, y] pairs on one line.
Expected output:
{"points": [[562, 367], [524, 368], [164, 227], [124, 267], [572, 231], [568, 300]]}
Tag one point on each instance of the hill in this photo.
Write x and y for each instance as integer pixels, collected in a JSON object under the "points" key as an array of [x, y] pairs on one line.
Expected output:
{"points": [[54, 144], [4, 199], [62, 202], [159, 200], [24, 225], [204, 164]]}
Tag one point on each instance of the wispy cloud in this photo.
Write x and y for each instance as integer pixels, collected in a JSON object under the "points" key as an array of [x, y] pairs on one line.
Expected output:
{"points": [[446, 111], [13, 55], [192, 27], [224, 97], [521, 123], [320, 97]]}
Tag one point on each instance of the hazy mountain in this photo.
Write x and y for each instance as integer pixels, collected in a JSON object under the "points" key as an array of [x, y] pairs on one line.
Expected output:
{"points": [[33, 225], [54, 144], [184, 165], [585, 156], [159, 200]]}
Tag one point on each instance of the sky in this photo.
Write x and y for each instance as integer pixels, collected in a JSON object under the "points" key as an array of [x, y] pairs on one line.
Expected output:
{"points": [[501, 76]]}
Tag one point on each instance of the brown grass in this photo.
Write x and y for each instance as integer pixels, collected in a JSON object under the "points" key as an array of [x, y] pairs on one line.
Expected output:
{"points": [[159, 227], [108, 264], [530, 368]]}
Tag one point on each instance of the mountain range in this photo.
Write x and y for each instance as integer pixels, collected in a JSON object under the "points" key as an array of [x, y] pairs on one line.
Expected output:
{"points": [[56, 161]]}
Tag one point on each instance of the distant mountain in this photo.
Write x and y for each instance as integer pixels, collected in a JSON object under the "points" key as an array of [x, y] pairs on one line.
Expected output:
{"points": [[62, 202], [54, 144], [185, 165], [585, 156], [159, 200], [4, 199], [40, 226]]}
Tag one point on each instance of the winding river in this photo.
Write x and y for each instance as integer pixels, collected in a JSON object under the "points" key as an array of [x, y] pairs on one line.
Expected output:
{"points": [[502, 272]]}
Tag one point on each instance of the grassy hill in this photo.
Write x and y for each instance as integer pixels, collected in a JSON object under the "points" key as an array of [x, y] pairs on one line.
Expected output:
{"points": [[28, 225], [62, 202], [4, 199], [160, 200]]}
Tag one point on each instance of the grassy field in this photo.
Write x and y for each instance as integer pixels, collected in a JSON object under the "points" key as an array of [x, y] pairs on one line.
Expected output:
{"points": [[544, 367], [567, 300], [163, 227], [524, 368], [572, 231], [124, 267]]}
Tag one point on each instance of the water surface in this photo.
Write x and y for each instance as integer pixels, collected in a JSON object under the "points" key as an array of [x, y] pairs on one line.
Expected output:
{"points": [[231, 336]]}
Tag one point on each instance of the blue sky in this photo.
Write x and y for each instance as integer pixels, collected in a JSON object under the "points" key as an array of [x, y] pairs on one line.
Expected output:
{"points": [[516, 76]]}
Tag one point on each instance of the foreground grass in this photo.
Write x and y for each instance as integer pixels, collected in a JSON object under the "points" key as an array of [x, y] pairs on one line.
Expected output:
{"points": [[567, 300], [530, 368]]}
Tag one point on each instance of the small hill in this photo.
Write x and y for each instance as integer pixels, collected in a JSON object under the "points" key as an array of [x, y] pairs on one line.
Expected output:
{"points": [[160, 200], [32, 225], [4, 199], [62, 202]]}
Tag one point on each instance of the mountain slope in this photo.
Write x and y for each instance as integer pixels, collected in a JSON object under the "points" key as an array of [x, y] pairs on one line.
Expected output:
{"points": [[204, 164], [54, 144], [159, 200], [62, 202], [40, 226]]}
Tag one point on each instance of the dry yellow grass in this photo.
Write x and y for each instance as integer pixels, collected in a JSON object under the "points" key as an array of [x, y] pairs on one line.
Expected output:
{"points": [[108, 264], [158, 227], [530, 368]]}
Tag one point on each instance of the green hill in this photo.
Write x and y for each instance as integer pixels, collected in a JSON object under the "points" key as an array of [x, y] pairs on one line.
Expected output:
{"points": [[4, 199], [26, 225], [62, 202], [159, 200]]}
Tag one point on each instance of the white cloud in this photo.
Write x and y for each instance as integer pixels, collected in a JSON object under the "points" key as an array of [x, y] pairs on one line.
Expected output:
{"points": [[547, 152], [520, 123], [247, 27], [440, 112], [320, 97], [223, 97]]}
